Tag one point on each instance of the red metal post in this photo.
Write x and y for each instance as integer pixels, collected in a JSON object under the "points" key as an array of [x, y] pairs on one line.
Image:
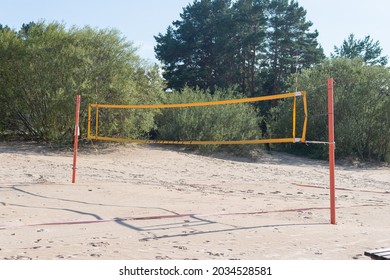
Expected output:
{"points": [[76, 138], [331, 152]]}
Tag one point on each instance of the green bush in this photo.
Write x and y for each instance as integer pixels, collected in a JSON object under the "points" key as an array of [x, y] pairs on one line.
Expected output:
{"points": [[44, 66], [361, 108], [215, 123]]}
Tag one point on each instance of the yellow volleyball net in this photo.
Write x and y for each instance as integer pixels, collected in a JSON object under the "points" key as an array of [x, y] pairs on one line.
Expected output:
{"points": [[94, 110]]}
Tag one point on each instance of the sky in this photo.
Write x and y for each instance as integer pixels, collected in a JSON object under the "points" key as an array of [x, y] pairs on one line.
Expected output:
{"points": [[140, 20]]}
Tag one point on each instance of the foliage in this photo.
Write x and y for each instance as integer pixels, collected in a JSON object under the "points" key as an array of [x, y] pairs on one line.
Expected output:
{"points": [[44, 66], [215, 123], [193, 48], [252, 44], [366, 49], [361, 104], [289, 44]]}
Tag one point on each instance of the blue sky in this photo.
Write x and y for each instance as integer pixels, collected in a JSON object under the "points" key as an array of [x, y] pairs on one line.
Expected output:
{"points": [[139, 20]]}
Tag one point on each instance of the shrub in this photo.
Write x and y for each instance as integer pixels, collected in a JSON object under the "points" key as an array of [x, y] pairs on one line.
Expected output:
{"points": [[44, 66], [216, 123], [361, 106]]}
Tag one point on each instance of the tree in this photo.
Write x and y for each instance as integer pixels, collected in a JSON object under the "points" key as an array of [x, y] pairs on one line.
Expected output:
{"points": [[25, 29], [192, 47], [288, 39], [361, 104], [44, 66], [248, 43], [4, 27], [366, 49]]}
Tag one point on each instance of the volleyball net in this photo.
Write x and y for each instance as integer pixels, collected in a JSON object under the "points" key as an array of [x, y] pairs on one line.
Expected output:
{"points": [[94, 120], [94, 111]]}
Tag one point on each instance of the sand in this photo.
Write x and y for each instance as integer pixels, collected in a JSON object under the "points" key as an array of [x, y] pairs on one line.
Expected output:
{"points": [[145, 202]]}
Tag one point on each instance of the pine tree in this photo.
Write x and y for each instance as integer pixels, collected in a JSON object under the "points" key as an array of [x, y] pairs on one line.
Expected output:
{"points": [[366, 49], [288, 39], [252, 44]]}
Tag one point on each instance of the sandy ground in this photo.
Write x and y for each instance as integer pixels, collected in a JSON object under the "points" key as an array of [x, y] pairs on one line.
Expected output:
{"points": [[153, 202]]}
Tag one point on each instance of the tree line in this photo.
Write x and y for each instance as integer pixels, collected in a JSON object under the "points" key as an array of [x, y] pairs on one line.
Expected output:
{"points": [[218, 49]]}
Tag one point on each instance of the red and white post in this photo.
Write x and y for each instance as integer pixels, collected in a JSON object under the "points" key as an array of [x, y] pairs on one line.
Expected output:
{"points": [[76, 137], [331, 152]]}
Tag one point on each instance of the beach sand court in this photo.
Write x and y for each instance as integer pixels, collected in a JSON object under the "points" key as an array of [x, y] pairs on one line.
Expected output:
{"points": [[146, 202]]}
